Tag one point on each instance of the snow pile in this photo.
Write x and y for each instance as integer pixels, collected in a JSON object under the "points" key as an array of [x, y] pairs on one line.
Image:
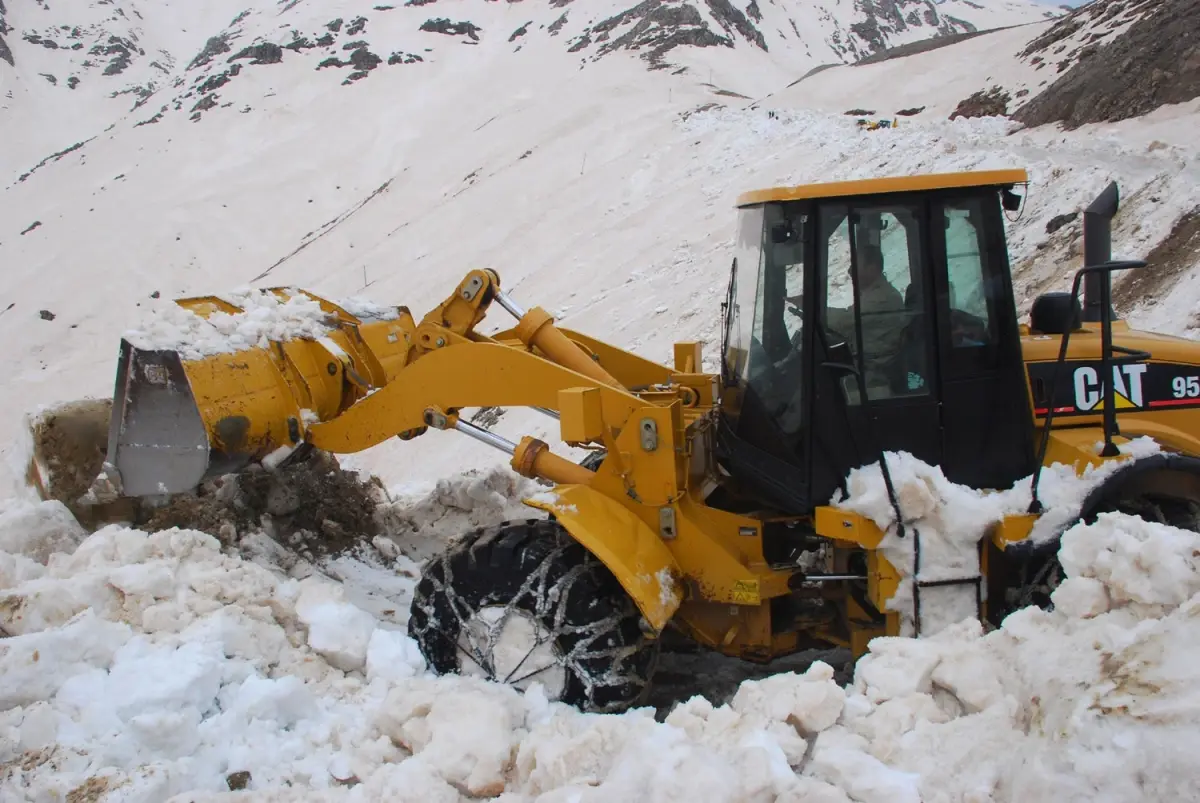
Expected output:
{"points": [[950, 521], [154, 667], [424, 517], [264, 317]]}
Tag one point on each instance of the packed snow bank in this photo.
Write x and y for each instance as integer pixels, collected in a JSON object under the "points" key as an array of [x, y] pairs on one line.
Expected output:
{"points": [[950, 521], [156, 667]]}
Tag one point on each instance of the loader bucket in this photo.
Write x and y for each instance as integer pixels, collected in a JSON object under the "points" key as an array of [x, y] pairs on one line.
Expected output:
{"points": [[68, 444], [157, 441]]}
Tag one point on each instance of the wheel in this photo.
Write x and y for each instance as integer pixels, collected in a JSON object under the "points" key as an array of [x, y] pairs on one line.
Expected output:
{"points": [[523, 601], [1038, 577]]}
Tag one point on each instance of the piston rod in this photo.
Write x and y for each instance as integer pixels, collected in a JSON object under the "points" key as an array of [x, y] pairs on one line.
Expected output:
{"points": [[483, 436], [513, 308]]}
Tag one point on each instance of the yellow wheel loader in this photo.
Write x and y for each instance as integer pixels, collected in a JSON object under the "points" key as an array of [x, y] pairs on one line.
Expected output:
{"points": [[862, 318]]}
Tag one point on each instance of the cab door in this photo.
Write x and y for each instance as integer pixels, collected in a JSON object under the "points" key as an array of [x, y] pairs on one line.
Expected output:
{"points": [[986, 421], [873, 302]]}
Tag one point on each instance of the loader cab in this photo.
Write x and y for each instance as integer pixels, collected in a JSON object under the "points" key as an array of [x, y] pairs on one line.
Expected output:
{"points": [[873, 315]]}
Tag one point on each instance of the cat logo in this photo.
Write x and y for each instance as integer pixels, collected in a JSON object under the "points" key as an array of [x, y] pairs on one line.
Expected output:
{"points": [[1127, 387]]}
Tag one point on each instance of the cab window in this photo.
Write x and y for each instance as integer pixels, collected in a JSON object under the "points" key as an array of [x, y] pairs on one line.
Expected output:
{"points": [[876, 314]]}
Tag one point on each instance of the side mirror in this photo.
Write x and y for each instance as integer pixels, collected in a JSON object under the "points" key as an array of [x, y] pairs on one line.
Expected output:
{"points": [[1010, 200]]}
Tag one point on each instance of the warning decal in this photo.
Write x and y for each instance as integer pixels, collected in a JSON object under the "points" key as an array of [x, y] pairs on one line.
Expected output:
{"points": [[1136, 386]]}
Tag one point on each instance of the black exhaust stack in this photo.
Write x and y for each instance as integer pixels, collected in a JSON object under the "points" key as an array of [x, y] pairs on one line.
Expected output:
{"points": [[1097, 249]]}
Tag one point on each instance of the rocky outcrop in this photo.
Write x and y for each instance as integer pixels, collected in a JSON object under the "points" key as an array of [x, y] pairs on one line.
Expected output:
{"points": [[655, 28], [5, 53], [992, 103], [1156, 61]]}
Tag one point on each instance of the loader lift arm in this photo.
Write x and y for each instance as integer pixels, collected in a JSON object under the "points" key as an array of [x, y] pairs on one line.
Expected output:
{"points": [[452, 366]]}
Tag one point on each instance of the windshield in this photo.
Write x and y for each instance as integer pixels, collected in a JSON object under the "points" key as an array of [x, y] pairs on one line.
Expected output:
{"points": [[739, 317], [765, 328]]}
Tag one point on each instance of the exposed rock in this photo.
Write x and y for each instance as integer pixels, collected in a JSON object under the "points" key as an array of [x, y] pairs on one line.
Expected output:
{"points": [[72, 82], [121, 50], [753, 12], [35, 224], [1154, 63], [53, 81], [443, 25], [152, 120], [731, 19], [215, 82], [992, 103], [364, 59], [53, 157], [214, 47], [45, 315], [357, 26], [403, 58], [557, 25], [519, 32], [204, 104], [262, 53], [858, 112], [910, 112], [5, 52], [1058, 221], [658, 28], [354, 45], [335, 25]]}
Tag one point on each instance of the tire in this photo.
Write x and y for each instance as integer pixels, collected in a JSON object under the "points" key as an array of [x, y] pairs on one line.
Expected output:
{"points": [[583, 630], [1041, 575]]}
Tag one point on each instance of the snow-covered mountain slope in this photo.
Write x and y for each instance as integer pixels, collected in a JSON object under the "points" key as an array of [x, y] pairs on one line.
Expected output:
{"points": [[74, 70], [602, 194]]}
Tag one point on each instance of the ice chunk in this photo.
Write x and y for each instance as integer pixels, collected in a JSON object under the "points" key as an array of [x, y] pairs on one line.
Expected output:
{"points": [[337, 630], [36, 531], [392, 656]]}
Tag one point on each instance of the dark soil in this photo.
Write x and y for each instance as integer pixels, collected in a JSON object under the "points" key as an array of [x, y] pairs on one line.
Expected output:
{"points": [[70, 442], [311, 504], [1155, 62]]}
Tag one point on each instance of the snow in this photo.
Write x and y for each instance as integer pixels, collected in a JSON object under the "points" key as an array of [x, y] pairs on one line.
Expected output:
{"points": [[263, 317], [950, 520], [161, 665]]}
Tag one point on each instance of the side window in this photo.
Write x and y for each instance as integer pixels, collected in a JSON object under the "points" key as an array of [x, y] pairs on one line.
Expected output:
{"points": [[886, 304], [970, 317]]}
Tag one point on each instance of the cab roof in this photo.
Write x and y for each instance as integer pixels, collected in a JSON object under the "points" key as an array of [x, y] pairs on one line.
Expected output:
{"points": [[878, 186]]}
